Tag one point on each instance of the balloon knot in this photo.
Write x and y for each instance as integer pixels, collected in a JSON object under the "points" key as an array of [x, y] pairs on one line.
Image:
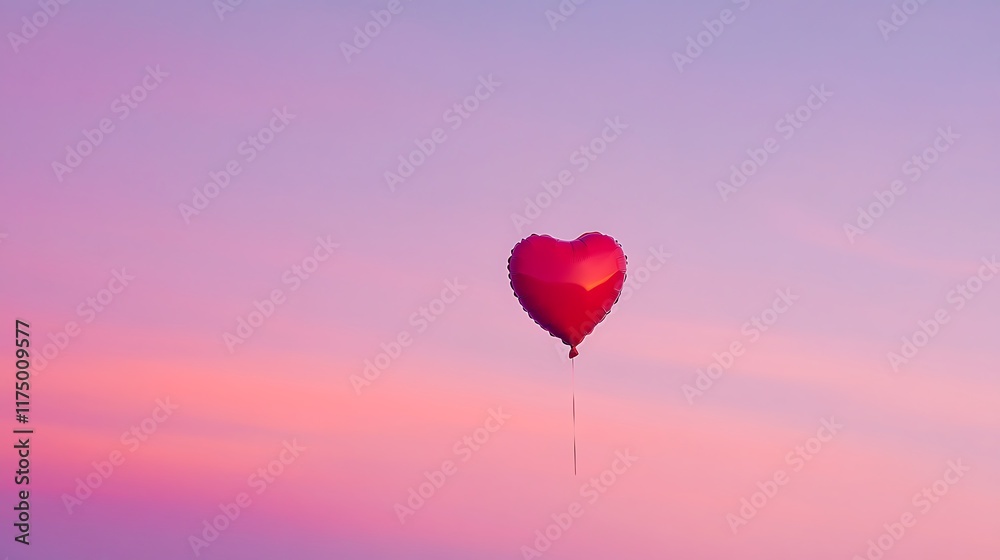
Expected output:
{"points": [[572, 352]]}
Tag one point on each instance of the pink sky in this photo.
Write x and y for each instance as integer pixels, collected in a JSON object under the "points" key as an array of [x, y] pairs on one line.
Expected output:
{"points": [[320, 181]]}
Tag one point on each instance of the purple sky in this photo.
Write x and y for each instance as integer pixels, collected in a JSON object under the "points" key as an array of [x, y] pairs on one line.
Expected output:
{"points": [[839, 104]]}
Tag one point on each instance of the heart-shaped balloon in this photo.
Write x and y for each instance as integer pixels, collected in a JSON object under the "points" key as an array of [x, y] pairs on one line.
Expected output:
{"points": [[567, 287]]}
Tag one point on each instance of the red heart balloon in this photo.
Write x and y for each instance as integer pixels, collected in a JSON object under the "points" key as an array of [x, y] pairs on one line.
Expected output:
{"points": [[567, 287]]}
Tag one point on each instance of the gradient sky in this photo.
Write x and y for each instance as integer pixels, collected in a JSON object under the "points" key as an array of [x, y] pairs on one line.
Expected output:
{"points": [[654, 188]]}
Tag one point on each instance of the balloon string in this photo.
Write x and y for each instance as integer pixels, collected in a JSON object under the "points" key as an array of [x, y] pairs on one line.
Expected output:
{"points": [[573, 362]]}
